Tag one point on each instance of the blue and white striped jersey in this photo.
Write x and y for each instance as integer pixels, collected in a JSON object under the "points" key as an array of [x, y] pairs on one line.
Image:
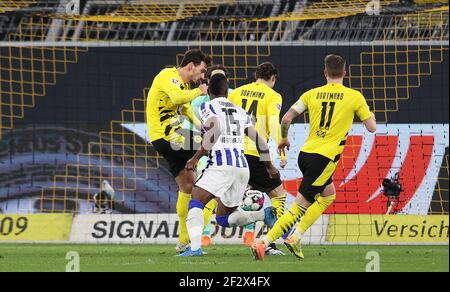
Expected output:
{"points": [[229, 149]]}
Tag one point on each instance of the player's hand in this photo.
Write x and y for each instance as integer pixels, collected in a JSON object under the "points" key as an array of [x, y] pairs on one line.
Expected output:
{"points": [[284, 143], [192, 164], [273, 172], [283, 163], [204, 88]]}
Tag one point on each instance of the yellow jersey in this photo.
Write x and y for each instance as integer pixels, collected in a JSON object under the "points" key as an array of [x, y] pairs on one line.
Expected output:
{"points": [[263, 104], [168, 98], [332, 109]]}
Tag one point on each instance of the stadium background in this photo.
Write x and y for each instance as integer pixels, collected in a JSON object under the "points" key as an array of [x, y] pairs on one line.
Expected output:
{"points": [[74, 79]]}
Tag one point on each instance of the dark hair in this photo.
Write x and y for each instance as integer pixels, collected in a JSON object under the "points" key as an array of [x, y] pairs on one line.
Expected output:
{"points": [[218, 85], [196, 56], [265, 71], [335, 66], [215, 67]]}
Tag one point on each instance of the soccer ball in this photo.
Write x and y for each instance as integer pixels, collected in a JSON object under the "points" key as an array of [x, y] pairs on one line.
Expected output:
{"points": [[253, 200]]}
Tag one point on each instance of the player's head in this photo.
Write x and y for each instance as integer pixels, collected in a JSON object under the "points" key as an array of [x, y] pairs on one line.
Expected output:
{"points": [[218, 86], [334, 67], [267, 73], [195, 62], [216, 69]]}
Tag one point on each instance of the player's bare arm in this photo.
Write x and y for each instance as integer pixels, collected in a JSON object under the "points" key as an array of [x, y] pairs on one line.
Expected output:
{"points": [[285, 125], [371, 124], [275, 129]]}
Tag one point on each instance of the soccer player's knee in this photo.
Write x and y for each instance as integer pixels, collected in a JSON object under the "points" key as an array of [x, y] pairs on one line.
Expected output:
{"points": [[223, 220], [185, 182], [187, 187]]}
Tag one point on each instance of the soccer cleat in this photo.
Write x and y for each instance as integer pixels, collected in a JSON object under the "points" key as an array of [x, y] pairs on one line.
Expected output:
{"points": [[259, 251], [206, 240], [270, 218], [191, 253], [182, 247], [273, 250], [294, 246], [249, 238]]}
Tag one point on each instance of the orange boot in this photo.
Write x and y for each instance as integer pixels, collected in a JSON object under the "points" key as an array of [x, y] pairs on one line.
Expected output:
{"points": [[259, 251], [249, 238], [206, 240]]}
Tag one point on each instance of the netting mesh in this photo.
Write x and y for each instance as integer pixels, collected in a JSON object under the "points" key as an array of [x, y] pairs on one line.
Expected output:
{"points": [[12, 5]]}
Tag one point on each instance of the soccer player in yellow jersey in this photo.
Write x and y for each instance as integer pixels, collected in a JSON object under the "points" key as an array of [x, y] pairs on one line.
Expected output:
{"points": [[263, 104], [168, 99], [331, 112]]}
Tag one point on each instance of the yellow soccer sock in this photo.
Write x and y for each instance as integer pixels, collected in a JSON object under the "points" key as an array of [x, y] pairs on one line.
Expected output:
{"points": [[208, 211], [285, 223], [182, 211], [314, 211], [279, 204]]}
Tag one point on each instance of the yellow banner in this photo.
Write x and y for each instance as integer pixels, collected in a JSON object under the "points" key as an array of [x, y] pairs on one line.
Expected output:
{"points": [[387, 228], [35, 227]]}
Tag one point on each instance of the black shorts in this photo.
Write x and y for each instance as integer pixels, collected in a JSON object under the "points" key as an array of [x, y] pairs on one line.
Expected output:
{"points": [[317, 172], [176, 159], [259, 177]]}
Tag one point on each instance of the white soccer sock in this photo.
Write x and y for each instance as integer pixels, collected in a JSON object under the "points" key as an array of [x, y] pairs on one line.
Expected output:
{"points": [[194, 223], [242, 218]]}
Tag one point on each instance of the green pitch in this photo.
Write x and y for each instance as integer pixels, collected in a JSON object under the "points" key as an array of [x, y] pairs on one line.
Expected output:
{"points": [[224, 258]]}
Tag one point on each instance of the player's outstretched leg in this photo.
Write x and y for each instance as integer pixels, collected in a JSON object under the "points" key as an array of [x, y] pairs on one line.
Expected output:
{"points": [[239, 217], [327, 197], [243, 218], [282, 225]]}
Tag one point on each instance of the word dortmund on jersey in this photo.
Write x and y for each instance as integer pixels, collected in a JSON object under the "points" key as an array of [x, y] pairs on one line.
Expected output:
{"points": [[167, 99], [233, 120], [263, 104], [332, 109]]}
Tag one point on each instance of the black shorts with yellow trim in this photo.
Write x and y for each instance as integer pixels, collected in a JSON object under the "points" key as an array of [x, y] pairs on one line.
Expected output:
{"points": [[259, 177], [317, 172], [176, 159]]}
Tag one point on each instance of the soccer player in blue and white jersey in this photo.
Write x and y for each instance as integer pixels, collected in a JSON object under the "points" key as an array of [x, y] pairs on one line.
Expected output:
{"points": [[195, 105], [227, 174]]}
